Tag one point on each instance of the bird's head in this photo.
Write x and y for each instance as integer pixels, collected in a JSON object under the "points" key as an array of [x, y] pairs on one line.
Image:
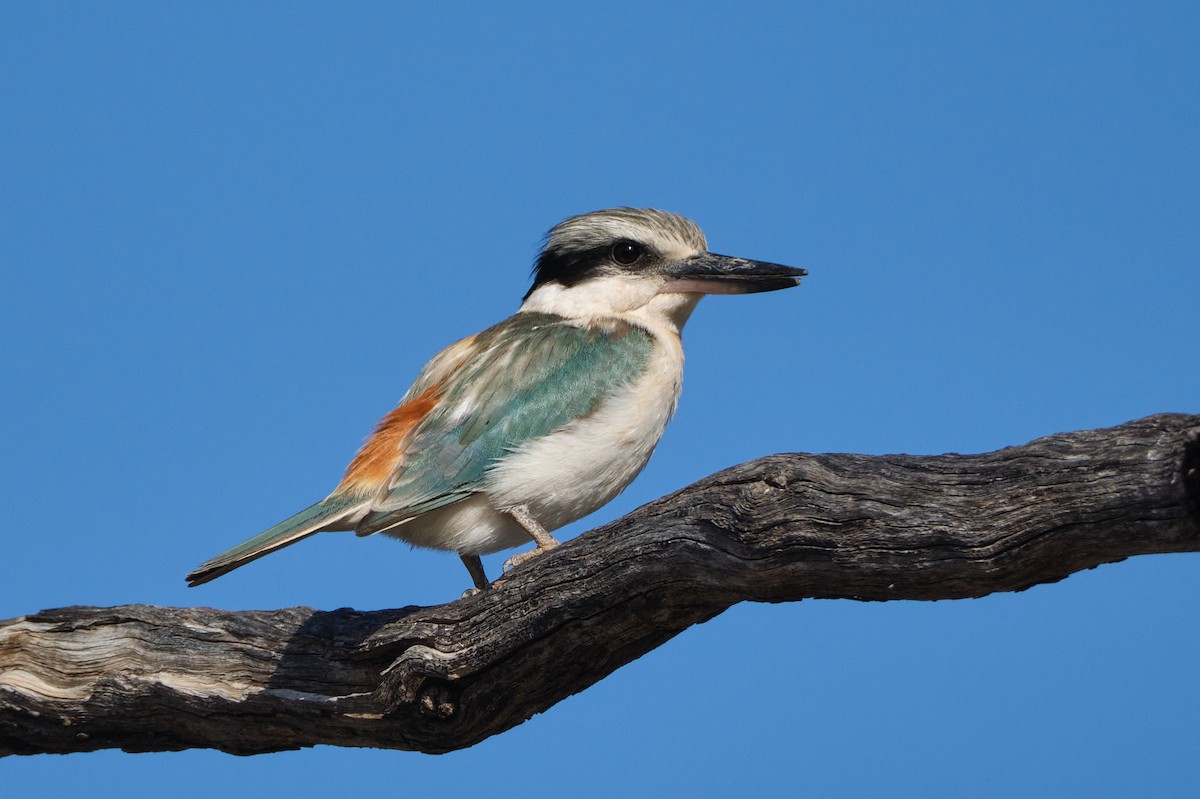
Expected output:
{"points": [[623, 259]]}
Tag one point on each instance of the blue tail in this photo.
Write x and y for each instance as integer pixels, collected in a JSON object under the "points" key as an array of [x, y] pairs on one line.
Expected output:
{"points": [[289, 531]]}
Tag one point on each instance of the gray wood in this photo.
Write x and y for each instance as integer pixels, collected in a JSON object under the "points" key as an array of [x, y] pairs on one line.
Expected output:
{"points": [[434, 679]]}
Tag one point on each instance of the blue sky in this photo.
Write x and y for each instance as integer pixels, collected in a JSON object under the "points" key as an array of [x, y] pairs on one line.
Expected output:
{"points": [[231, 233]]}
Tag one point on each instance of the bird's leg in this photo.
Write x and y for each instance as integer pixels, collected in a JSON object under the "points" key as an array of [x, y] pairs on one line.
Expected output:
{"points": [[478, 575], [538, 533], [545, 541]]}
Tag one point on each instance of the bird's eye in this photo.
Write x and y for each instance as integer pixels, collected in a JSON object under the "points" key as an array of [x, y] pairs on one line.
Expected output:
{"points": [[627, 252]]}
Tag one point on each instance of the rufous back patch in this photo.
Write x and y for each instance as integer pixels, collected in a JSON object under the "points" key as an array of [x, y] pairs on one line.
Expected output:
{"points": [[378, 458]]}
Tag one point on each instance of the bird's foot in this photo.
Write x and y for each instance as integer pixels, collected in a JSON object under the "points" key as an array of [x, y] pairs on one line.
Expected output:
{"points": [[521, 557]]}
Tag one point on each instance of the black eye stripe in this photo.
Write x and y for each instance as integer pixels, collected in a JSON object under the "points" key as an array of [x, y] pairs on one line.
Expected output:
{"points": [[570, 267]]}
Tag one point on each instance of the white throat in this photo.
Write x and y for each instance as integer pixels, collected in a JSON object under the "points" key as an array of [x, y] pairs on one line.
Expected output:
{"points": [[638, 300]]}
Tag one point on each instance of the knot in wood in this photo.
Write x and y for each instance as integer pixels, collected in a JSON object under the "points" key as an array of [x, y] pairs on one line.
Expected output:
{"points": [[437, 699]]}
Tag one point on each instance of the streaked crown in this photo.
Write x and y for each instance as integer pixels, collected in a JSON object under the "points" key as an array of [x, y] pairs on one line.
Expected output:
{"points": [[614, 241]]}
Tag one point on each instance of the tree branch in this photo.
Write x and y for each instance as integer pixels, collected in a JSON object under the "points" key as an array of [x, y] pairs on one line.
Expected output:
{"points": [[434, 679]]}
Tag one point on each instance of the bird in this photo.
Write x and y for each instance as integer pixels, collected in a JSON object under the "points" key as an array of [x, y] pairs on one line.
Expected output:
{"points": [[543, 418]]}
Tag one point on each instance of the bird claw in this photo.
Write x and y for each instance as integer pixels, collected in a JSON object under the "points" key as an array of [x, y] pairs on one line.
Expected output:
{"points": [[515, 561], [521, 557]]}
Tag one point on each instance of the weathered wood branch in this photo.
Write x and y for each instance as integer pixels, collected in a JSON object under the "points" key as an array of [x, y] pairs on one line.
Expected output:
{"points": [[440, 678]]}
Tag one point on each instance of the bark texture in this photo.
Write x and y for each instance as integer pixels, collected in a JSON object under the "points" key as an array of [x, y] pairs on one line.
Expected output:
{"points": [[434, 679]]}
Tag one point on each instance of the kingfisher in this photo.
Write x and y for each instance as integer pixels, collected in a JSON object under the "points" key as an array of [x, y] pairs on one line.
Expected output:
{"points": [[543, 418]]}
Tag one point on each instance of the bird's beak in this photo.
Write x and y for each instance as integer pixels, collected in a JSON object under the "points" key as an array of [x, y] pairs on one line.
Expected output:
{"points": [[709, 273]]}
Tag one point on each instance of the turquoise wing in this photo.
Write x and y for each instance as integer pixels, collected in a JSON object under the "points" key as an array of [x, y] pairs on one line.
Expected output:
{"points": [[525, 378]]}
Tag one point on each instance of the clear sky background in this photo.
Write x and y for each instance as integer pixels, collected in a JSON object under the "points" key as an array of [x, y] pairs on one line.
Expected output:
{"points": [[231, 233]]}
